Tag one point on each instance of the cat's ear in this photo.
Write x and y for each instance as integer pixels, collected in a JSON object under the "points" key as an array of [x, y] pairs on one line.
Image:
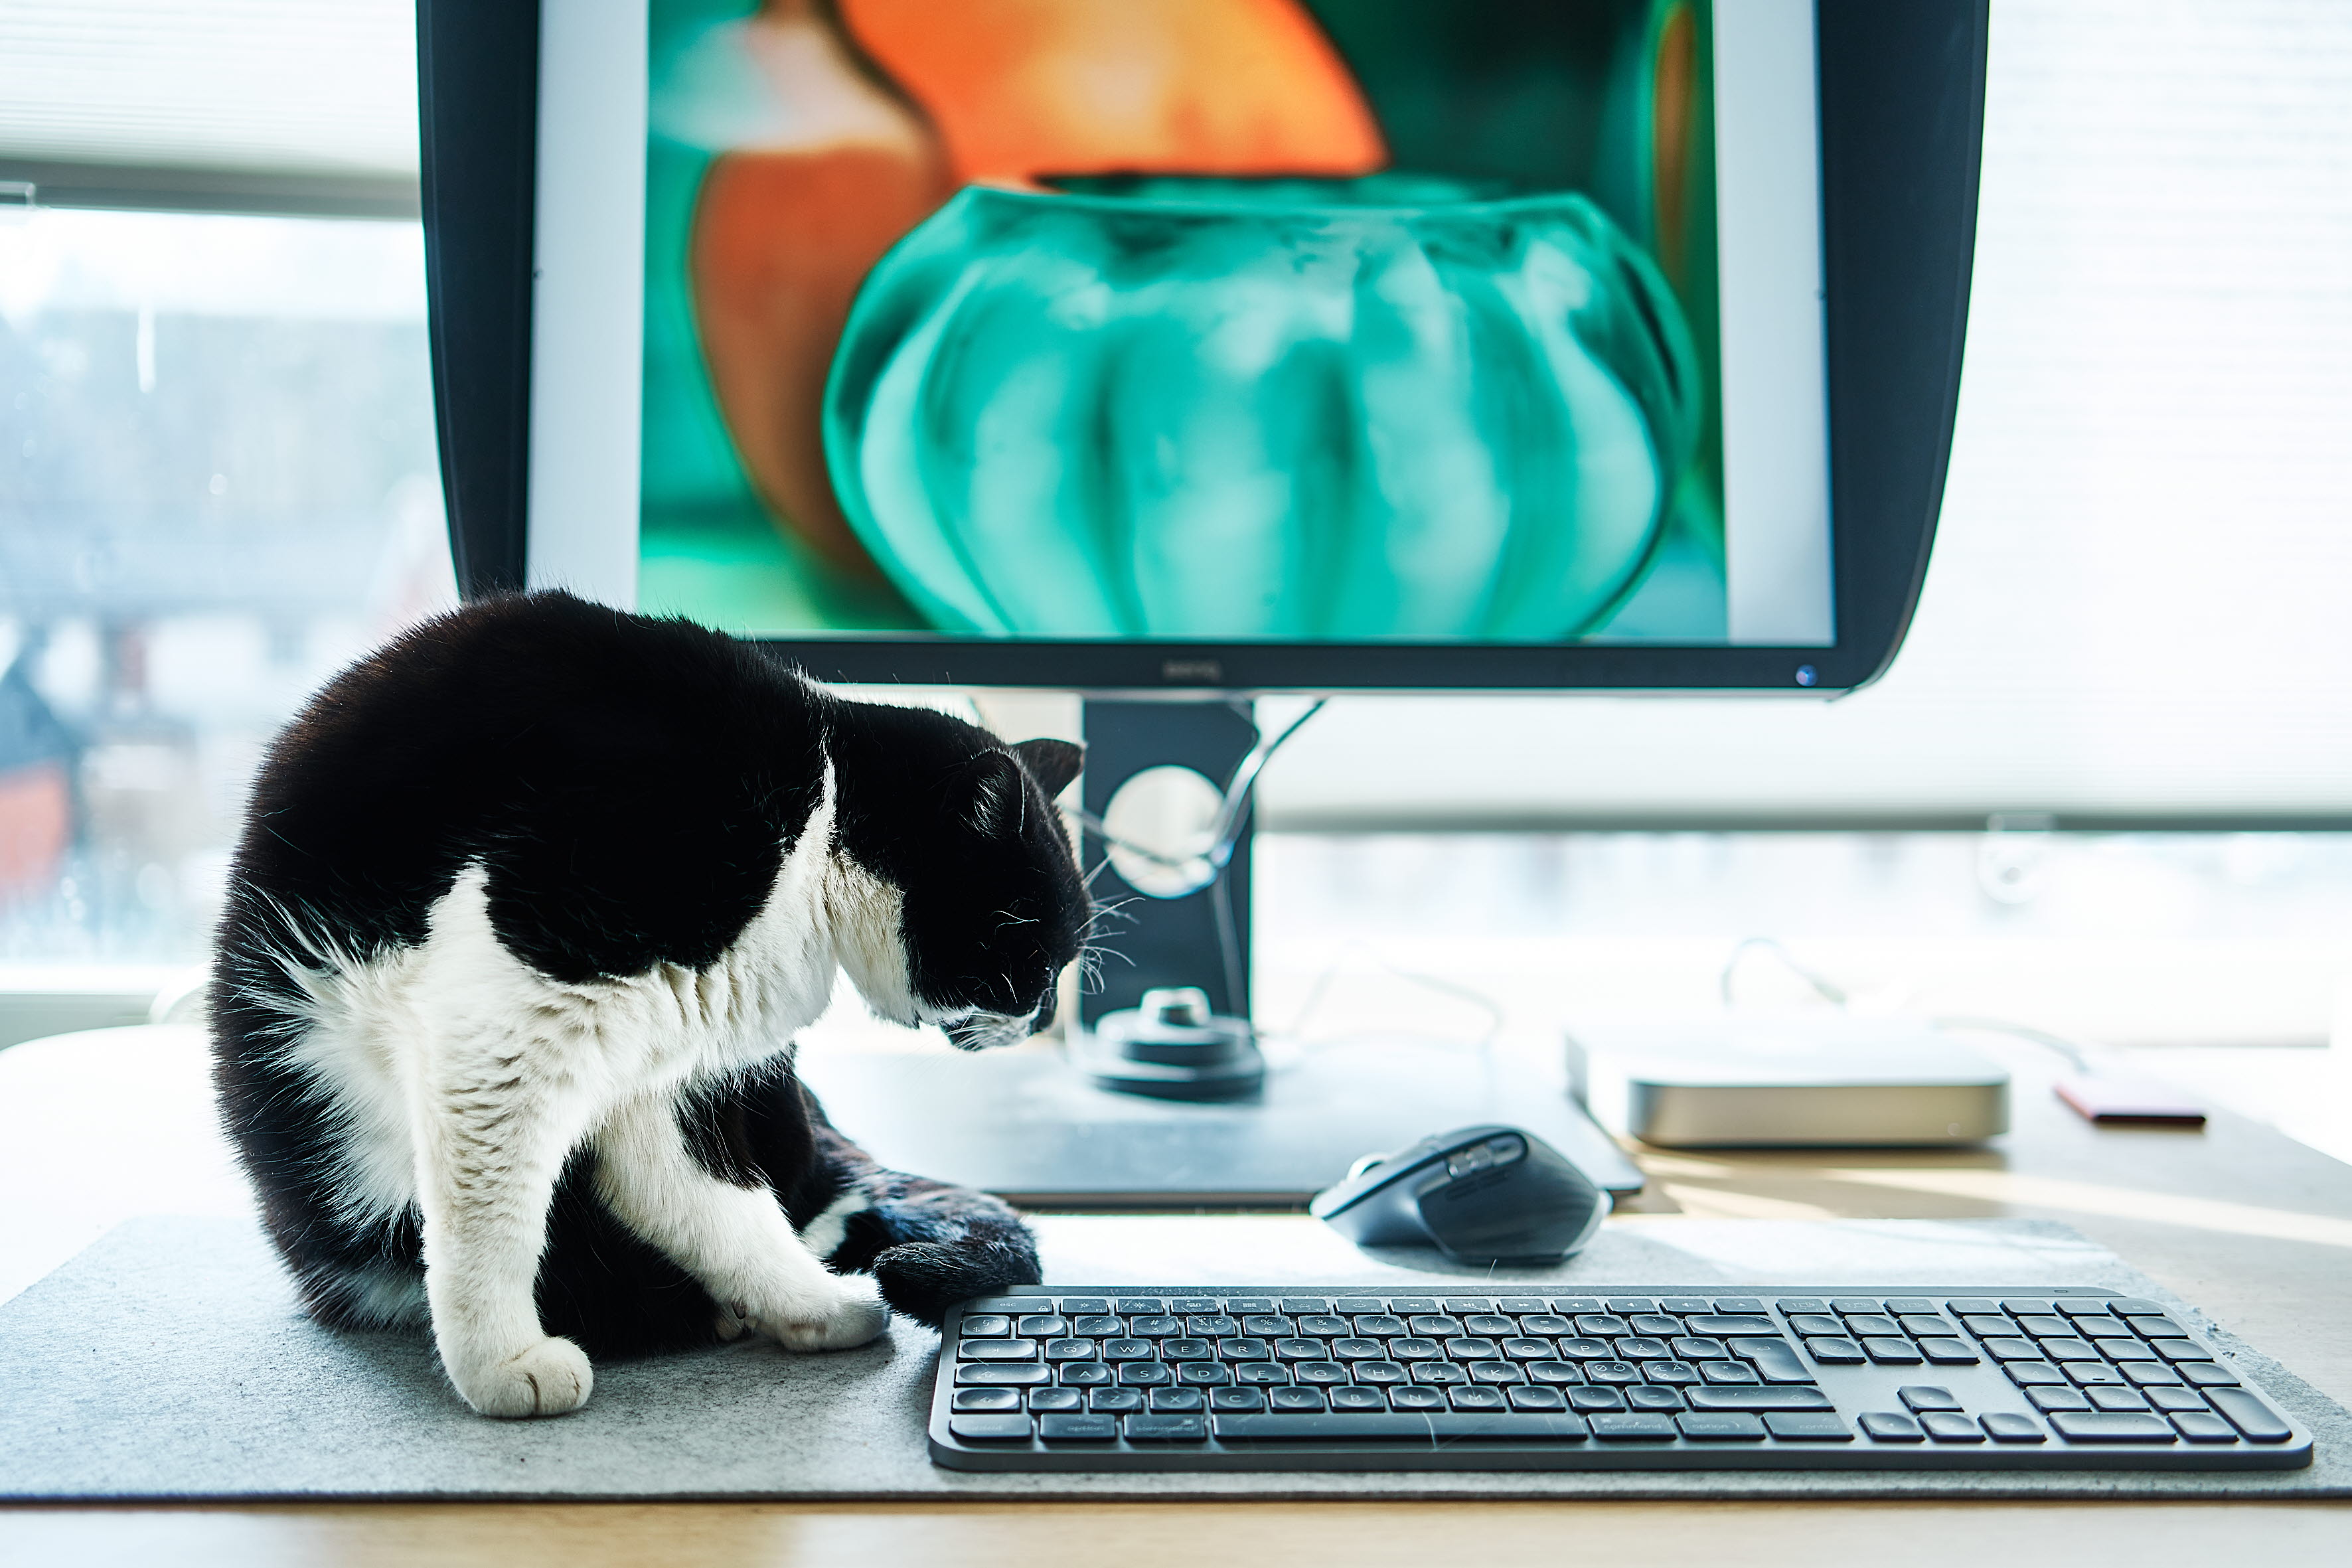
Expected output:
{"points": [[1055, 764]]}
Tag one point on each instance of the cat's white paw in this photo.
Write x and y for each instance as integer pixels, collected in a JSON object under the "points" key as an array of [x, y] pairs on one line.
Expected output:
{"points": [[552, 1378], [850, 1312]]}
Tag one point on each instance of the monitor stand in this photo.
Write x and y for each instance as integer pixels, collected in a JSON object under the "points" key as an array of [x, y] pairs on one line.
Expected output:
{"points": [[1028, 1123]]}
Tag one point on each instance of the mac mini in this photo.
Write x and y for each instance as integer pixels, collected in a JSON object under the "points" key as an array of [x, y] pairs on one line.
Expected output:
{"points": [[1787, 1082]]}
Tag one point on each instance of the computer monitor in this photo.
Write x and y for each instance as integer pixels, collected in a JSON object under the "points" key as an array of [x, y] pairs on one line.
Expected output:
{"points": [[1192, 348]]}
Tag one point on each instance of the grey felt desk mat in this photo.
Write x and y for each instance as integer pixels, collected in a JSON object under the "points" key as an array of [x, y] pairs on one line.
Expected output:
{"points": [[168, 1361]]}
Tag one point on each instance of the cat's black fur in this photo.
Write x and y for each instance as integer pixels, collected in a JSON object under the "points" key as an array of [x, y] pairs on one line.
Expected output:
{"points": [[630, 786]]}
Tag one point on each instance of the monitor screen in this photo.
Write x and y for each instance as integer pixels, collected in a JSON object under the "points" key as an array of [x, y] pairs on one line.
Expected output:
{"points": [[1374, 322]]}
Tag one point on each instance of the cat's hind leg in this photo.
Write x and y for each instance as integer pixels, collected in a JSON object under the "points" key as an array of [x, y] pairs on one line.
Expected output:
{"points": [[734, 1238], [492, 1132]]}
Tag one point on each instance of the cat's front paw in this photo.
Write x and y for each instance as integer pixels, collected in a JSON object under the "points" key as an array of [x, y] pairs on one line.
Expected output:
{"points": [[552, 1378], [850, 1313]]}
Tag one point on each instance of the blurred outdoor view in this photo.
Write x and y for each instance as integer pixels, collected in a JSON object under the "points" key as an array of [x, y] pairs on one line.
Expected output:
{"points": [[218, 483]]}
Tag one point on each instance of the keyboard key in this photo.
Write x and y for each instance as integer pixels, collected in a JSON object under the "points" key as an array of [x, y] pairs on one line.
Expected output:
{"points": [[1699, 1347], [1042, 1401], [2013, 1349], [2131, 1307], [1144, 1375], [1325, 1326], [1069, 1349], [1775, 1360], [1379, 1372], [999, 1350], [1899, 1305], [2044, 1327], [1171, 1401], [1720, 1429], [1520, 1306], [1626, 1304], [1528, 1350], [2064, 1350], [2120, 1350], [986, 1326], [1244, 1350], [1077, 1428], [1888, 1352], [1494, 1372], [1019, 1375], [1684, 1306], [2117, 1399], [1596, 1399], [2017, 1307], [1294, 1305], [1854, 1304], [1319, 1373], [1469, 1348], [1212, 1325], [1727, 1371], [1557, 1372], [1083, 1374], [1438, 1325], [1775, 1397], [1968, 1304], [1816, 1323], [1380, 1325], [1943, 1427], [1571, 1305], [2086, 1305], [1115, 1401], [1438, 1373], [1926, 1396], [2100, 1327], [1494, 1325], [1527, 1398], [1130, 1305], [1619, 1428], [1364, 1349], [1150, 1327], [1601, 1324], [2048, 1399], [1633, 1347], [2180, 1350], [1948, 1352], [2034, 1374], [1042, 1325], [1834, 1352], [1073, 1305], [1170, 1428], [996, 1304], [1406, 1428], [1654, 1325], [1128, 1350], [2206, 1374], [1352, 1306], [1476, 1398], [1299, 1349], [1237, 1399], [2101, 1427], [1294, 1399], [1738, 1304], [1720, 1323], [2174, 1398], [1625, 1371], [1824, 1427], [1267, 1326], [1794, 1304], [1416, 1397], [2004, 1426], [1404, 1305], [1547, 1324], [989, 1428], [2204, 1426], [1863, 1325], [1916, 1324], [1986, 1326], [1356, 1399], [1098, 1326], [1678, 1373], [1414, 1349], [1188, 1305], [1891, 1427], [2155, 1326], [1260, 1374], [2249, 1414], [1202, 1374], [2091, 1373], [1650, 1397], [986, 1401]]}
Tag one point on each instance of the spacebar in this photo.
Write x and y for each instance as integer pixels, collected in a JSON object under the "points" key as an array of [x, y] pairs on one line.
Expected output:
{"points": [[1400, 1429]]}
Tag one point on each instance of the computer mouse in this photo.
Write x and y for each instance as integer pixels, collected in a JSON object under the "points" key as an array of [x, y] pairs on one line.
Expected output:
{"points": [[1479, 1195]]}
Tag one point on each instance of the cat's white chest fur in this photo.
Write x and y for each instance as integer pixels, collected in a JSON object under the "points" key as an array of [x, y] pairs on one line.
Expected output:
{"points": [[460, 1014]]}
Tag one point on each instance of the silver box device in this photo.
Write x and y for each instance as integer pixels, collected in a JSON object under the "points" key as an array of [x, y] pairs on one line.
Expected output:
{"points": [[1787, 1082]]}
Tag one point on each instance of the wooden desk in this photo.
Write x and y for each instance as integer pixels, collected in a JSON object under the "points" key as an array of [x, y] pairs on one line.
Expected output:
{"points": [[2252, 1227]]}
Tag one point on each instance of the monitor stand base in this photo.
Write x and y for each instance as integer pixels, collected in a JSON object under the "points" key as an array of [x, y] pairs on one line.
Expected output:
{"points": [[1021, 1123]]}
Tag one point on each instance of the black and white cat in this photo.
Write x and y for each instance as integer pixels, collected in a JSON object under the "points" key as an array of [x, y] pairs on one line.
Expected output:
{"points": [[527, 910]]}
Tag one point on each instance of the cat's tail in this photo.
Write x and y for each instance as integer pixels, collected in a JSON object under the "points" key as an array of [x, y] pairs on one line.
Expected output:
{"points": [[947, 1245]]}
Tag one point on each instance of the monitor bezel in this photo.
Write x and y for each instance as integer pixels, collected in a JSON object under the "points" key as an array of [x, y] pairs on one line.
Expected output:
{"points": [[1901, 115]]}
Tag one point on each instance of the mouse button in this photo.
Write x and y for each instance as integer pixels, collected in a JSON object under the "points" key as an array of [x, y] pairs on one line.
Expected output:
{"points": [[1506, 1147]]}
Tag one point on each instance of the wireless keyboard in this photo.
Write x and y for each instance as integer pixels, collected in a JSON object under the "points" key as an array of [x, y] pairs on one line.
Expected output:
{"points": [[1357, 1378]]}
